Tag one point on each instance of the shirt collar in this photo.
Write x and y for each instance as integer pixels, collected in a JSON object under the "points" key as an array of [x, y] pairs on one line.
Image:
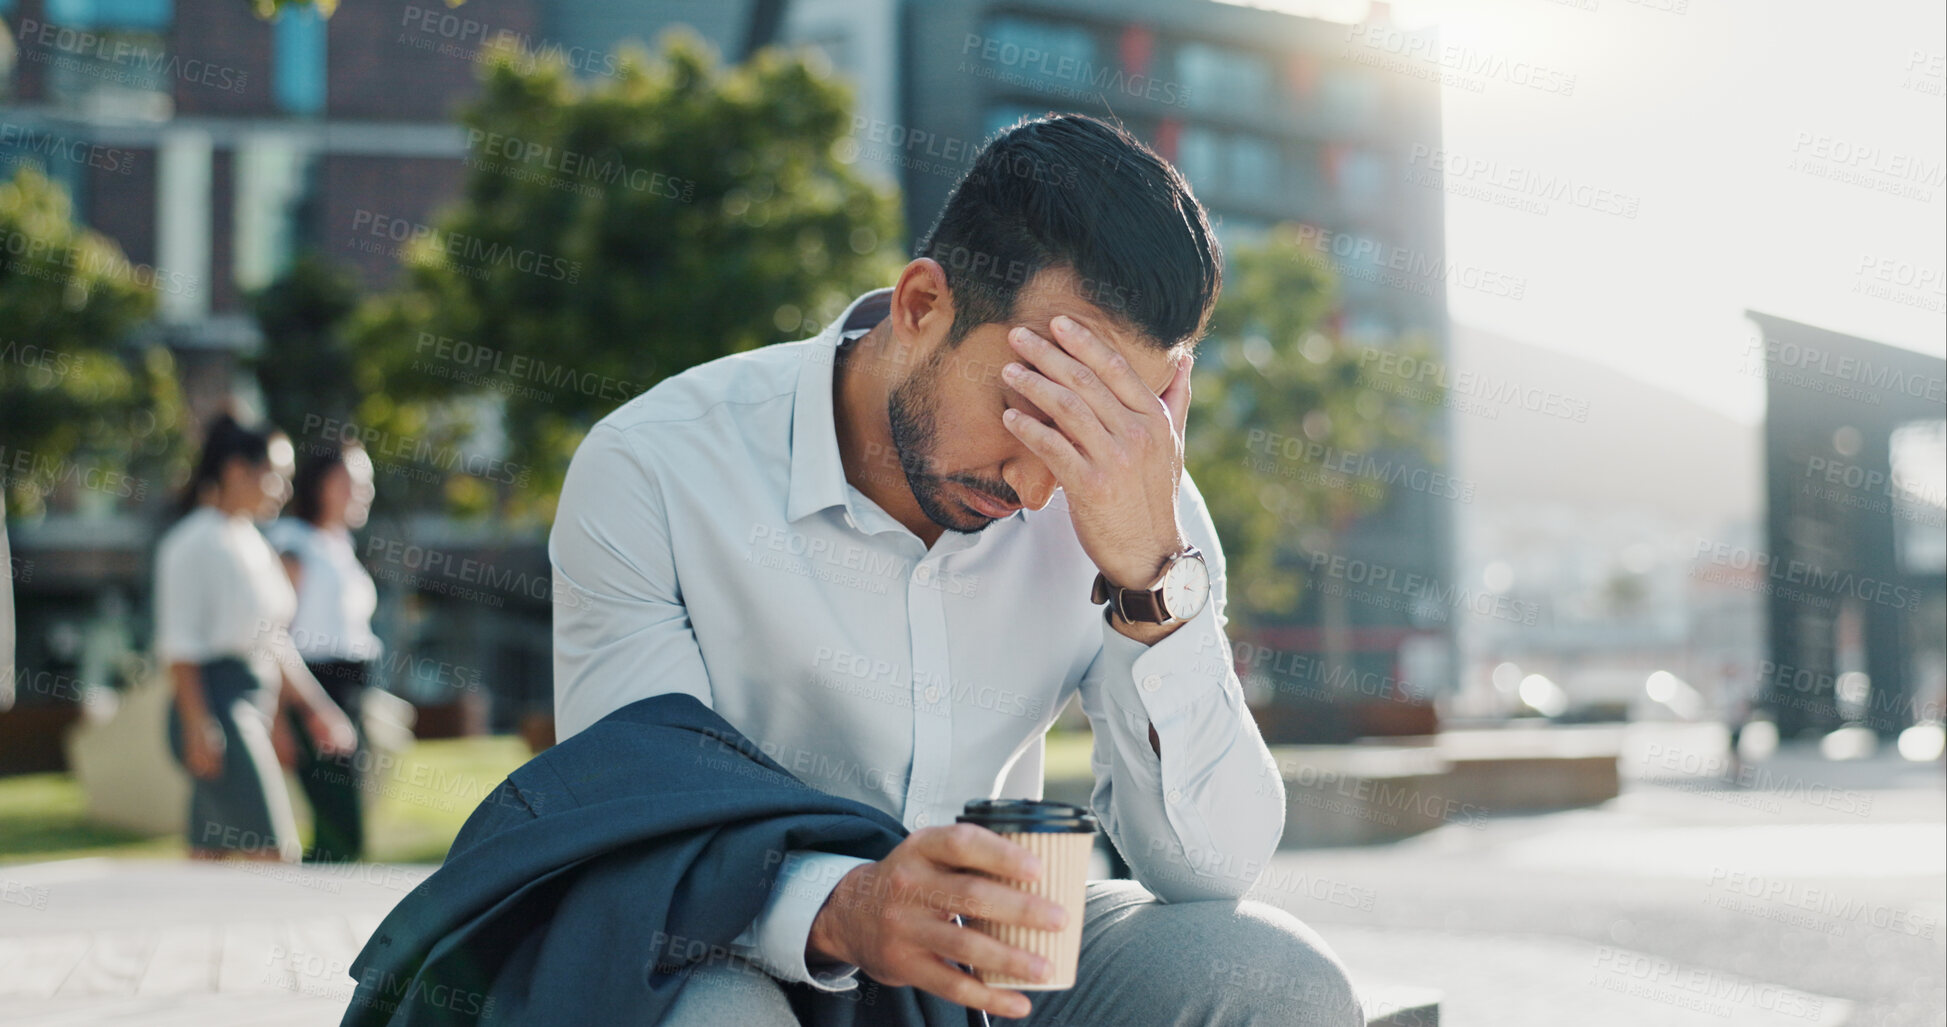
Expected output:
{"points": [[817, 471]]}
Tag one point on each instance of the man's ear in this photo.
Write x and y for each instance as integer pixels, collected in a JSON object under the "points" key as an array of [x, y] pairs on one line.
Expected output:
{"points": [[922, 304]]}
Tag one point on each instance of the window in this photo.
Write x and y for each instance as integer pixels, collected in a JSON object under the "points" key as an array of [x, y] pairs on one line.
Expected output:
{"points": [[1035, 53], [298, 60], [123, 73], [1222, 77]]}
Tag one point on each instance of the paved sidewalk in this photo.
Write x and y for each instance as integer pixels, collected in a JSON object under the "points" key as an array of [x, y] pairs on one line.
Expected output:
{"points": [[100, 941], [1813, 900]]}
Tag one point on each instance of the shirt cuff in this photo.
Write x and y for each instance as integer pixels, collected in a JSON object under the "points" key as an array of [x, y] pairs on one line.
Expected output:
{"points": [[1162, 681], [776, 939]]}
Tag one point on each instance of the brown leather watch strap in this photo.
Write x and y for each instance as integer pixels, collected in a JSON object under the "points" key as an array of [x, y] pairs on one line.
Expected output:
{"points": [[1133, 605]]}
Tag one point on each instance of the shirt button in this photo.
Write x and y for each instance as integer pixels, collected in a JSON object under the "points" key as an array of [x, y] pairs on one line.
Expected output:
{"points": [[922, 820], [1152, 683], [1175, 795], [923, 575], [933, 694]]}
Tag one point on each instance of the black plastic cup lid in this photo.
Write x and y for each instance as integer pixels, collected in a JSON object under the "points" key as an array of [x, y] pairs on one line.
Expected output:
{"points": [[1029, 816]]}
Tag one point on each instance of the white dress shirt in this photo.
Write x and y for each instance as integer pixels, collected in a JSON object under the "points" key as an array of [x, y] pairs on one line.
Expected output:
{"points": [[335, 595], [220, 590], [708, 542]]}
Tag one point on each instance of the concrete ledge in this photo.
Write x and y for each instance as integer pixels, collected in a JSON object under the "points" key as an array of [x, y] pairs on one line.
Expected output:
{"points": [[1371, 792], [1357, 795], [1398, 1005]]}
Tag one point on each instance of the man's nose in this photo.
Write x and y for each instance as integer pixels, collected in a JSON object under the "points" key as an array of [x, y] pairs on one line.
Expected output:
{"points": [[1031, 481]]}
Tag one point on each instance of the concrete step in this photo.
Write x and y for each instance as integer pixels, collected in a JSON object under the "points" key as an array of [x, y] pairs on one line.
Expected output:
{"points": [[1382, 791], [1400, 1005]]}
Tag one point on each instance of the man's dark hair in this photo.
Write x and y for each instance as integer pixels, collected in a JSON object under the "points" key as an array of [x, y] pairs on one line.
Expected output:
{"points": [[1069, 191]]}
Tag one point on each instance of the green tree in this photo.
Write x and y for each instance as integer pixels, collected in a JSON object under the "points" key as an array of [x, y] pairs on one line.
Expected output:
{"points": [[84, 410], [305, 365], [1272, 381], [611, 235]]}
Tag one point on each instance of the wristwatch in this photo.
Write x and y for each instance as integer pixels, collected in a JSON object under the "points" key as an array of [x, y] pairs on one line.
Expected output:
{"points": [[1178, 594]]}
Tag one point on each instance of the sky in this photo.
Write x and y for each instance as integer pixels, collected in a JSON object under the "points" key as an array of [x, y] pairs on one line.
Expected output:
{"points": [[1765, 145]]}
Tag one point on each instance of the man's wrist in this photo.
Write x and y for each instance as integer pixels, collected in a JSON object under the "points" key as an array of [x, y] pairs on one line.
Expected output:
{"points": [[1147, 634], [822, 943]]}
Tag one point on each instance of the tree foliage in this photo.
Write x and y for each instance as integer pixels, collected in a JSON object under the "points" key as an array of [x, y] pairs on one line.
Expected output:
{"points": [[305, 367], [616, 233], [1271, 372], [84, 411]]}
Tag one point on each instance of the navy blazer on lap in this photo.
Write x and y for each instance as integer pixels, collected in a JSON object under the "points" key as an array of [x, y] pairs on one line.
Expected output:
{"points": [[592, 879]]}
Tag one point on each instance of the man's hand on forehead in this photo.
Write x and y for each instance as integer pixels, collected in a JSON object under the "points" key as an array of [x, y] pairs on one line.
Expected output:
{"points": [[1116, 445]]}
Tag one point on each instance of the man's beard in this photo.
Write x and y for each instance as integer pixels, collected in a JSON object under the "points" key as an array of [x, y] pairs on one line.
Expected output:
{"points": [[912, 409]]}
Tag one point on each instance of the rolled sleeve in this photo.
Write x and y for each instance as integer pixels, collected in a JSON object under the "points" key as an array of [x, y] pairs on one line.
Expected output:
{"points": [[1202, 819]]}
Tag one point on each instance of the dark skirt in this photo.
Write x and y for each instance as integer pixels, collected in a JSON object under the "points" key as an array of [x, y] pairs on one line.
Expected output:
{"points": [[234, 811], [333, 784]]}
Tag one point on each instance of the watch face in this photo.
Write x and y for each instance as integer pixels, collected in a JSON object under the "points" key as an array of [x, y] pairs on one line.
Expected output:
{"points": [[1186, 587]]}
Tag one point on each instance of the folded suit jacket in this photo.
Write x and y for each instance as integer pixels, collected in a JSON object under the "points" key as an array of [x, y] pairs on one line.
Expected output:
{"points": [[594, 879]]}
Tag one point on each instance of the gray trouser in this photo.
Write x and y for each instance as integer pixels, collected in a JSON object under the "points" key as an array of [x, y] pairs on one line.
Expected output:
{"points": [[1144, 962]]}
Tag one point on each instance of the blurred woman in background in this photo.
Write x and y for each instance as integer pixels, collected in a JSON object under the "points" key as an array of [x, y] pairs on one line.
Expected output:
{"points": [[331, 496], [223, 606]]}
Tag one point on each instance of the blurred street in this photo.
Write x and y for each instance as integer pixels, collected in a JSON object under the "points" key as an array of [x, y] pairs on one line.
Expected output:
{"points": [[1814, 896]]}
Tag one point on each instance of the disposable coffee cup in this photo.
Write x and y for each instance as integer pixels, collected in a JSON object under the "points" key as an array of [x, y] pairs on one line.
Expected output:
{"points": [[1061, 835]]}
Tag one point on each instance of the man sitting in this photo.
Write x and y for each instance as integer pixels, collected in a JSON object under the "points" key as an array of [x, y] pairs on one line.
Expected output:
{"points": [[850, 548]]}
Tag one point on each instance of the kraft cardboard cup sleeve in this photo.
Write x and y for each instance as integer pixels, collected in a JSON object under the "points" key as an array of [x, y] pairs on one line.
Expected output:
{"points": [[1061, 835]]}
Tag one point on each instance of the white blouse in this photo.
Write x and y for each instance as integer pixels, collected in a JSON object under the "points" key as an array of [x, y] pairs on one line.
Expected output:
{"points": [[335, 596], [220, 591]]}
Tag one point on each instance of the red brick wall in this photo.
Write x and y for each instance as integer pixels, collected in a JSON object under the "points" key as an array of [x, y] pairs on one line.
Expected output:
{"points": [[223, 55], [414, 60], [407, 189], [223, 232], [122, 205]]}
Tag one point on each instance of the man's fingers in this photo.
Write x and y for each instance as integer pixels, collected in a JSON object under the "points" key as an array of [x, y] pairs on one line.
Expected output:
{"points": [[1000, 903], [1074, 368], [934, 975], [972, 847], [1080, 417], [981, 951], [1176, 396], [1102, 359]]}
